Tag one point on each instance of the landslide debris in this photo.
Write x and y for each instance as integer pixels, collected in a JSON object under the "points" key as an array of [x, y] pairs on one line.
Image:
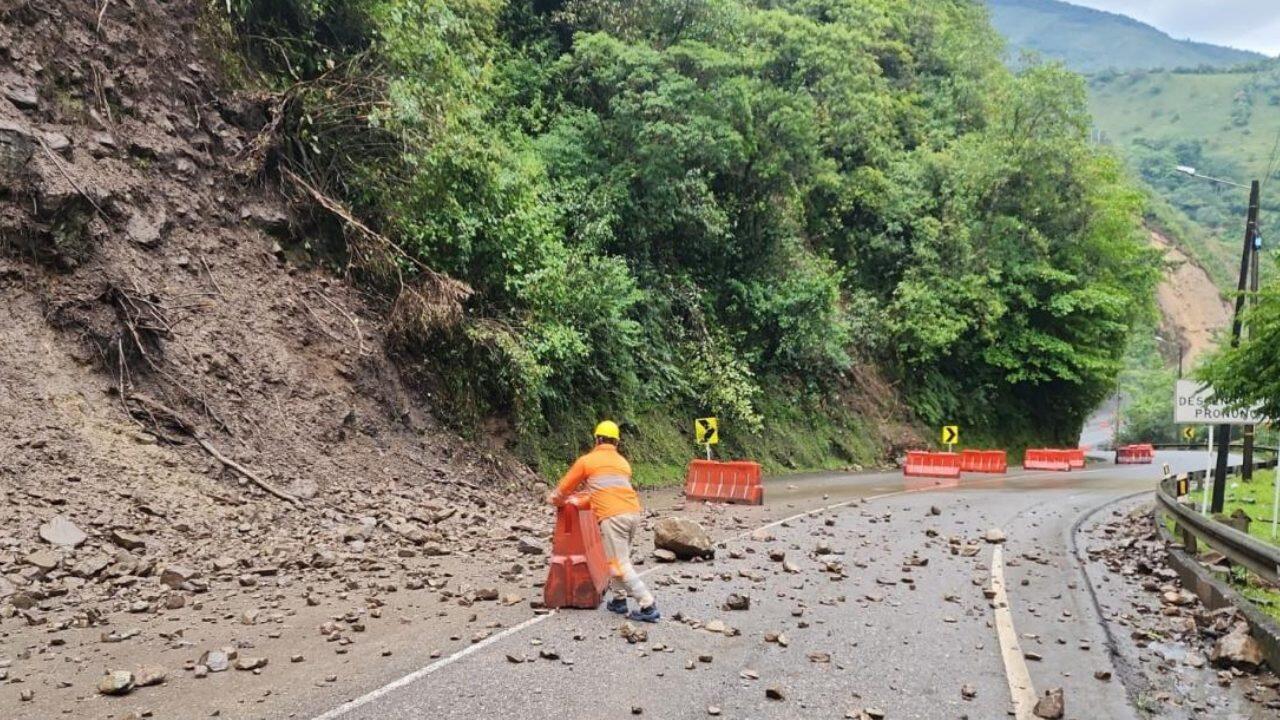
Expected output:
{"points": [[1177, 641], [684, 538], [190, 408]]}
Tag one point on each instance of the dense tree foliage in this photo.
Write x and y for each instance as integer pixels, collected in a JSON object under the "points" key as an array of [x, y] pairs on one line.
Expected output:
{"points": [[698, 204], [1249, 375], [1146, 390]]}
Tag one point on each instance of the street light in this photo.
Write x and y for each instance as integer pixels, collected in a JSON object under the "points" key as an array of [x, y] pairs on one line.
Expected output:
{"points": [[1248, 258], [1188, 170]]}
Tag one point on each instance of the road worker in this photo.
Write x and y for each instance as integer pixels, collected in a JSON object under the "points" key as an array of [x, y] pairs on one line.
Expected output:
{"points": [[607, 477]]}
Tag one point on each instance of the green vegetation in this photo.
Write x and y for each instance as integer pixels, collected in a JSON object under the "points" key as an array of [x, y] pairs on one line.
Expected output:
{"points": [[1253, 497], [1164, 103], [1249, 585], [1223, 123], [1089, 40], [1261, 593], [1249, 374], [1147, 387], [668, 208], [1211, 108]]}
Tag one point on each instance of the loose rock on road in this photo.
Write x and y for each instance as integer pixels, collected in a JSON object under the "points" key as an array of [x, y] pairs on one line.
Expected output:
{"points": [[877, 608]]}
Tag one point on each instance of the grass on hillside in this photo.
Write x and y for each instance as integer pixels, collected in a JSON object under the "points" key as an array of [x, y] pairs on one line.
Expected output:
{"points": [[1254, 498], [1191, 106], [799, 437], [1223, 123], [1266, 598]]}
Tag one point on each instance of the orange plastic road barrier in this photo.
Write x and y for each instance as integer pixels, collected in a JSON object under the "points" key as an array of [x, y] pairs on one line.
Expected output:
{"points": [[984, 461], [735, 482], [1143, 454], [579, 572], [1047, 459], [921, 463], [1075, 458]]}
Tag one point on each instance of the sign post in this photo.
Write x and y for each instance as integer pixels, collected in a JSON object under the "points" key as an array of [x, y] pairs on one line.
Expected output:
{"points": [[1275, 496], [707, 432], [1208, 479], [950, 436], [1191, 406]]}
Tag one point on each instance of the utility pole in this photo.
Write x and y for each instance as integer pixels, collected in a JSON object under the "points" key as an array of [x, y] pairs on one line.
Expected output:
{"points": [[1115, 435], [1224, 431], [1246, 472]]}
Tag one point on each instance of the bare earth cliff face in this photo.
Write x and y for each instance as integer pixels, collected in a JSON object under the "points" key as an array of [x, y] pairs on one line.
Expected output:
{"points": [[203, 416], [1191, 305]]}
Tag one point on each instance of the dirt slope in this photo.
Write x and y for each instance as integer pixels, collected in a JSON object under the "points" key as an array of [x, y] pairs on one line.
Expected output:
{"points": [[147, 304], [1191, 306]]}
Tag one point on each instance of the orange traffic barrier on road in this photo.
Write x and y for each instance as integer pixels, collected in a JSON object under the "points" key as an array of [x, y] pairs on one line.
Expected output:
{"points": [[1075, 458], [1047, 459], [578, 572], [1142, 454], [984, 461], [739, 481], [921, 463]]}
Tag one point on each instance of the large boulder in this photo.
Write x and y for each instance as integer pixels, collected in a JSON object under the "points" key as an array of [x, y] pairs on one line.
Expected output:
{"points": [[686, 538], [17, 144], [1237, 649], [61, 531], [175, 576], [1051, 705], [116, 682]]}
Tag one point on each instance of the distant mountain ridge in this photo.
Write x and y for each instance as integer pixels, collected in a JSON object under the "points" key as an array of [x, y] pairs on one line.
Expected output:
{"points": [[1090, 41]]}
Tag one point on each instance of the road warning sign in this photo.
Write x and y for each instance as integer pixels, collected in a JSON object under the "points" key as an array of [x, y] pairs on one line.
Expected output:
{"points": [[707, 430], [950, 434], [1189, 433], [1192, 407]]}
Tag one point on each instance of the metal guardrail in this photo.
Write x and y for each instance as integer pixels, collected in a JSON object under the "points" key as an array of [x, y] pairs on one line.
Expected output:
{"points": [[1239, 547], [1201, 446]]}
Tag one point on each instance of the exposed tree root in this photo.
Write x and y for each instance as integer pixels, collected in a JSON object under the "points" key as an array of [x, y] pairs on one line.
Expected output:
{"points": [[176, 419]]}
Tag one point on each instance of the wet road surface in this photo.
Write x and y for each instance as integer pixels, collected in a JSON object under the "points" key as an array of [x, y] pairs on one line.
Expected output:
{"points": [[894, 617]]}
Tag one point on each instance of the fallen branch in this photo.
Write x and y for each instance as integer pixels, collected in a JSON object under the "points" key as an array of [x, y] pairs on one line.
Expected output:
{"points": [[320, 323], [247, 473], [355, 323], [98, 28], [190, 429], [57, 163], [212, 279], [449, 292]]}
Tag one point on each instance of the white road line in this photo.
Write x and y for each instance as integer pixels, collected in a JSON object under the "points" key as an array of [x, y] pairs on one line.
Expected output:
{"points": [[1015, 665], [350, 705], [443, 662]]}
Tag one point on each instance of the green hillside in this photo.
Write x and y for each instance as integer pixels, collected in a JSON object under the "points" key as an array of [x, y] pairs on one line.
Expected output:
{"points": [[1089, 41], [665, 209], [1224, 124]]}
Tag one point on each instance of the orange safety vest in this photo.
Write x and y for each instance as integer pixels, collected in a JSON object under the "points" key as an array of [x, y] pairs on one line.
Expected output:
{"points": [[608, 478]]}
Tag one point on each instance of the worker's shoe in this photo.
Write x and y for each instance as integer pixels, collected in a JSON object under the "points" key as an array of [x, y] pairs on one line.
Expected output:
{"points": [[649, 614], [617, 605]]}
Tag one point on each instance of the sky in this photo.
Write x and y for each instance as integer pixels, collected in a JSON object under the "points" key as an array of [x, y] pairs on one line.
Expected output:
{"points": [[1247, 24]]}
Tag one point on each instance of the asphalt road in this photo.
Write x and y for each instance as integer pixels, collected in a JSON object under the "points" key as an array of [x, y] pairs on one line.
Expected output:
{"points": [[880, 630]]}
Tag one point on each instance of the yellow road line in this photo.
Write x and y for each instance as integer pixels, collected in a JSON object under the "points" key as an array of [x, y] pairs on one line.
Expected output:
{"points": [[1015, 665]]}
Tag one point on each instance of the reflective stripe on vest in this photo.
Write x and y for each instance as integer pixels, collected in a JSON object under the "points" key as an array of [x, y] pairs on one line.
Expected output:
{"points": [[600, 482]]}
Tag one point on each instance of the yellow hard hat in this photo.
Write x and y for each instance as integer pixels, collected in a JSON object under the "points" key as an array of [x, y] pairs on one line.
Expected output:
{"points": [[608, 429]]}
